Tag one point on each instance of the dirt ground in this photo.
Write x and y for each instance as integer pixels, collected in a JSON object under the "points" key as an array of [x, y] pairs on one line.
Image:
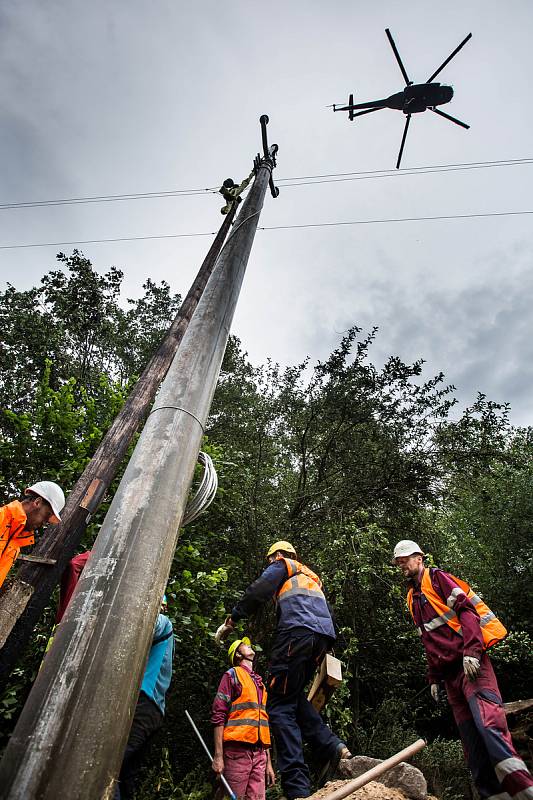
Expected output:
{"points": [[372, 791]]}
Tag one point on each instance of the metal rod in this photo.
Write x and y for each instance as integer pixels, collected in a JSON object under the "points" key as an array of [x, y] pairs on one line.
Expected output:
{"points": [[77, 717], [376, 771], [23, 602], [210, 757]]}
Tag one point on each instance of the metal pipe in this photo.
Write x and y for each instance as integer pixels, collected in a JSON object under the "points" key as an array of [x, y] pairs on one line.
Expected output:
{"points": [[74, 726], [376, 771], [226, 785]]}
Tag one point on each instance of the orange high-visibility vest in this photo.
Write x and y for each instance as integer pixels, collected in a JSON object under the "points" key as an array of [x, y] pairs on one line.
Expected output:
{"points": [[247, 720], [12, 535], [301, 580], [491, 628]]}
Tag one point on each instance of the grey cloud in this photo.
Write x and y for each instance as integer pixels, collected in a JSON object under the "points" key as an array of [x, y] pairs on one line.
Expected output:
{"points": [[101, 98]]}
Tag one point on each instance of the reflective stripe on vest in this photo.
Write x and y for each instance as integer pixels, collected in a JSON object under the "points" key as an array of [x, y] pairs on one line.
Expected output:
{"points": [[491, 628], [301, 580], [247, 720]]}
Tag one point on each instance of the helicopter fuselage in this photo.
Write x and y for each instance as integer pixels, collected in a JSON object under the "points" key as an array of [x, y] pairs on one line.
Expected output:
{"points": [[413, 99]]}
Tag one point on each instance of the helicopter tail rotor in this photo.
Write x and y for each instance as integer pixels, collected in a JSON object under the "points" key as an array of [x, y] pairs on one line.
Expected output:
{"points": [[350, 104]]}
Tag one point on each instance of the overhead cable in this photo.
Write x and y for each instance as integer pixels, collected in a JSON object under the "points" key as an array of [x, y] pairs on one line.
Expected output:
{"points": [[401, 173], [105, 241], [408, 170], [298, 180], [206, 491], [395, 219], [276, 228], [108, 198]]}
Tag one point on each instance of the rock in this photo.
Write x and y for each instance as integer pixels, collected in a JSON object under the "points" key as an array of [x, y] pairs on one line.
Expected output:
{"points": [[406, 778]]}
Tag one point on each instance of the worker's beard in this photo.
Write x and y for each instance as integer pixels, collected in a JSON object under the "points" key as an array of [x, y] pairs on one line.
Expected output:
{"points": [[412, 573]]}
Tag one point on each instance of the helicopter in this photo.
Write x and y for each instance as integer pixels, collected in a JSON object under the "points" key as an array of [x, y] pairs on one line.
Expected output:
{"points": [[415, 98]]}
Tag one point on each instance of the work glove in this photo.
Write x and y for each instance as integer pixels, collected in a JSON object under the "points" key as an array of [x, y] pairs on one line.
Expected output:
{"points": [[438, 693], [224, 631], [471, 667]]}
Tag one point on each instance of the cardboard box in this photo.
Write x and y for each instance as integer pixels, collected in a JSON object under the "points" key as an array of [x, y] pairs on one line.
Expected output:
{"points": [[328, 677]]}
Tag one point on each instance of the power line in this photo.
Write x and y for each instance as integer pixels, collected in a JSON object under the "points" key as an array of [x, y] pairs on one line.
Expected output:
{"points": [[396, 219], [439, 217], [108, 198], [103, 241], [298, 180], [406, 172], [415, 170]]}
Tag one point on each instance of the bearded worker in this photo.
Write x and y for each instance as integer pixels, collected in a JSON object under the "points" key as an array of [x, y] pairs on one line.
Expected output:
{"points": [[304, 634], [41, 504], [457, 628]]}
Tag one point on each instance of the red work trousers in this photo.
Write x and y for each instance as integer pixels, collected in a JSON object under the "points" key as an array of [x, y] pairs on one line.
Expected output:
{"points": [[498, 771], [245, 770]]}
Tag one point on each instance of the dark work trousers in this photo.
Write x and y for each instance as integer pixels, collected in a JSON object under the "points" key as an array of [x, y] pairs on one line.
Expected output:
{"points": [[147, 719], [293, 719], [498, 771]]}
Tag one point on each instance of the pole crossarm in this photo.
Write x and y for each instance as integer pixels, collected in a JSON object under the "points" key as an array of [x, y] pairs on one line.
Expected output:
{"points": [[76, 720], [22, 603]]}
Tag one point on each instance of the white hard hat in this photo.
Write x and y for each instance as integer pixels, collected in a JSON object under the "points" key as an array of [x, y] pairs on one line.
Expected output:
{"points": [[52, 493], [407, 548]]}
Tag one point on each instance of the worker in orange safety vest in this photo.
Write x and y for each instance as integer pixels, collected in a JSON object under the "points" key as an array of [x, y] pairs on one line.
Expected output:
{"points": [[241, 730], [457, 628], [305, 633], [41, 504]]}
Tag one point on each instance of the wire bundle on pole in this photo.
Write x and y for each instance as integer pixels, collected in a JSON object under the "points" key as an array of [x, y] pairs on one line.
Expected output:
{"points": [[206, 491]]}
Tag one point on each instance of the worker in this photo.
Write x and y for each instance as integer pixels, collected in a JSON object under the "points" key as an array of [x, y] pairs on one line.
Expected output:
{"points": [[41, 504], [150, 709], [457, 629], [69, 581], [304, 634], [232, 193], [241, 731]]}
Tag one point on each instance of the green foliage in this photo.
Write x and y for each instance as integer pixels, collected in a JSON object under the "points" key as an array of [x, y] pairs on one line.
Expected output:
{"points": [[443, 765], [159, 781], [342, 459], [75, 321]]}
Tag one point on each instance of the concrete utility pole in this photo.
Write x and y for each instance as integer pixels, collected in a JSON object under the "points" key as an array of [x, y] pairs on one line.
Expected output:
{"points": [[22, 603], [74, 726]]}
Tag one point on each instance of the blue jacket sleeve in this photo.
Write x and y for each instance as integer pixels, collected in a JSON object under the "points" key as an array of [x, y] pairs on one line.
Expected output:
{"points": [[158, 673], [261, 591]]}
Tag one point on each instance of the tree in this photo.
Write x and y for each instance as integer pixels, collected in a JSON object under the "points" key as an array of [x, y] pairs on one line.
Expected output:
{"points": [[75, 321], [69, 355]]}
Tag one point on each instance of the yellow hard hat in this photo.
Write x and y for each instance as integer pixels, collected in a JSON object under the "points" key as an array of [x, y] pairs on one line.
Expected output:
{"points": [[234, 646], [285, 546]]}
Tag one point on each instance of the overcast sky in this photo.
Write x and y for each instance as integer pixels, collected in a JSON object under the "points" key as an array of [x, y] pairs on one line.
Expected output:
{"points": [[109, 98]]}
